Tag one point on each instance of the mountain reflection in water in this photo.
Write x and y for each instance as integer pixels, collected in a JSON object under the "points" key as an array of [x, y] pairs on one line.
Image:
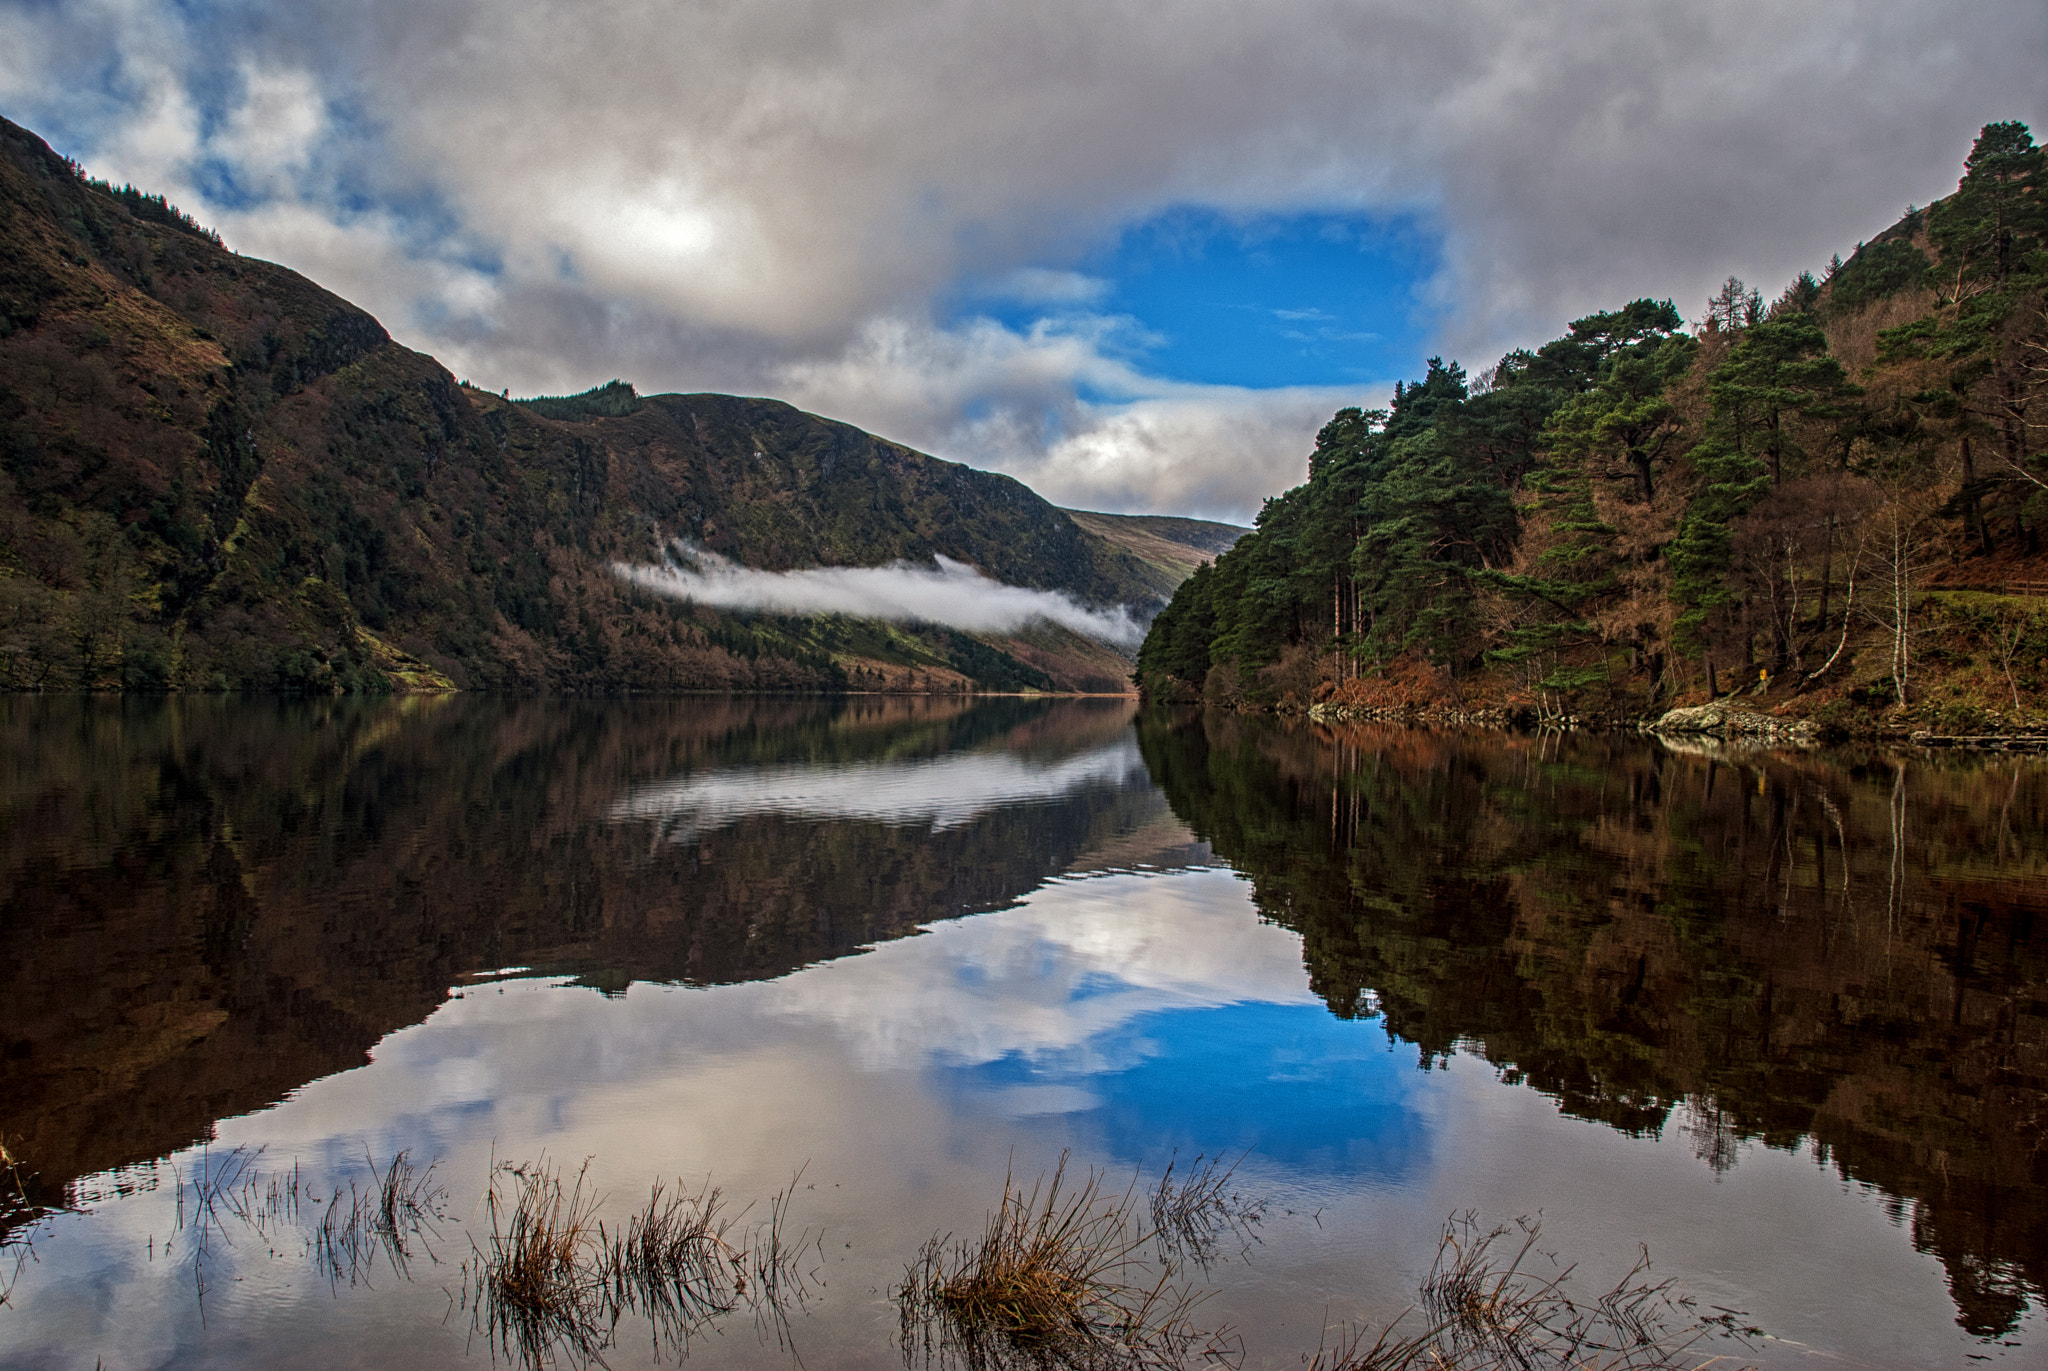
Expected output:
{"points": [[213, 910], [208, 903], [1784, 948]]}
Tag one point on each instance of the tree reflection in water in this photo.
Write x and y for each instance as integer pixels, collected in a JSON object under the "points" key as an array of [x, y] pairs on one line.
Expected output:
{"points": [[1754, 947]]}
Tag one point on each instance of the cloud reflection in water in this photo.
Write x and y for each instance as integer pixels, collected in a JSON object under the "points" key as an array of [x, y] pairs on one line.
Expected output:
{"points": [[943, 792]]}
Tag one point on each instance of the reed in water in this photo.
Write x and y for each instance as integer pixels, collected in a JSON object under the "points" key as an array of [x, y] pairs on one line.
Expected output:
{"points": [[1057, 1278], [1495, 1301], [552, 1282]]}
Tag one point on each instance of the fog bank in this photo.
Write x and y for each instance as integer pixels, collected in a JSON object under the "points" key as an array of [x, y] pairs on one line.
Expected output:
{"points": [[951, 594]]}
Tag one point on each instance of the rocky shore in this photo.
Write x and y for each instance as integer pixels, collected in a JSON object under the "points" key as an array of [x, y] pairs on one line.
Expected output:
{"points": [[1725, 723]]}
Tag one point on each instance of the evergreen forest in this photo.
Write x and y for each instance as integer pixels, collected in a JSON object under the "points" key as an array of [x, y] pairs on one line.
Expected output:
{"points": [[1832, 499]]}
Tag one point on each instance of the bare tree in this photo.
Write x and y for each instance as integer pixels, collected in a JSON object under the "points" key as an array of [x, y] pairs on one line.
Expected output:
{"points": [[1734, 307], [1895, 552]]}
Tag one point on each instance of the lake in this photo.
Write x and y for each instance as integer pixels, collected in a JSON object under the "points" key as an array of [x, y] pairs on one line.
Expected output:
{"points": [[1777, 1018]]}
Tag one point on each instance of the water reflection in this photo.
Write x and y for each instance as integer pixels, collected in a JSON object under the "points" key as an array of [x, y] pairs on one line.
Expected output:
{"points": [[1666, 997], [1842, 953], [208, 903], [939, 793]]}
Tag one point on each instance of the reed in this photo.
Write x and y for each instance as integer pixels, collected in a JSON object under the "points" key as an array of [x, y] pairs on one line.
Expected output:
{"points": [[1194, 1213], [554, 1282], [1494, 1301], [776, 1261], [542, 1285], [19, 1219], [674, 1262], [394, 1217], [1057, 1278]]}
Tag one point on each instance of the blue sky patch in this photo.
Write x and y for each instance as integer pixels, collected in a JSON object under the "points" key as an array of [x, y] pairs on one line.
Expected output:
{"points": [[1304, 299]]}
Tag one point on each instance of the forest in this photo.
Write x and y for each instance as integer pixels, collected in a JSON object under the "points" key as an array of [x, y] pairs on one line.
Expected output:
{"points": [[1831, 500]]}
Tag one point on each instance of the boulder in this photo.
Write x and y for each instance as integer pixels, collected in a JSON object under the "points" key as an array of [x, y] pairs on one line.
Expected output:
{"points": [[1726, 721]]}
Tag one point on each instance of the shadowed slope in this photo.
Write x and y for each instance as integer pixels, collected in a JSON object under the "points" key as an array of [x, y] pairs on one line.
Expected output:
{"points": [[215, 474]]}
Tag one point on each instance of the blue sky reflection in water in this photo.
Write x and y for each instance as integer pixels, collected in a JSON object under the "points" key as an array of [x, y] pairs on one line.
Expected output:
{"points": [[1301, 1090], [1128, 1002]]}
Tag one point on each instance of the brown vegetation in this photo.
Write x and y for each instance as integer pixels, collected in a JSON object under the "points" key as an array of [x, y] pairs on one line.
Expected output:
{"points": [[1056, 1279], [553, 1282], [1494, 1301], [215, 475]]}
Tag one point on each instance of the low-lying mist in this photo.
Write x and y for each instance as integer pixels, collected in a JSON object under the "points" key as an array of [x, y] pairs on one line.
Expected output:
{"points": [[951, 594]]}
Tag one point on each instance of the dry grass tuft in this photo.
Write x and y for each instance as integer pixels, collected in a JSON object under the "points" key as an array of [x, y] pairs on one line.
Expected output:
{"points": [[392, 1217], [1057, 1279], [554, 1282], [542, 1285], [675, 1262], [1488, 1305]]}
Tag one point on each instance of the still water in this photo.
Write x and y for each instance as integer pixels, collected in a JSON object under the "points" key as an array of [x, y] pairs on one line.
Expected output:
{"points": [[1777, 1017]]}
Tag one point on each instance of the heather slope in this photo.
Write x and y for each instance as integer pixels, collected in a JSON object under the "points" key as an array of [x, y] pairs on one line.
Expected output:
{"points": [[214, 474]]}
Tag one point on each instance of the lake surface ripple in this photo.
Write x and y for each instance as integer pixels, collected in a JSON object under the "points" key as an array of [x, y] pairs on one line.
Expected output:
{"points": [[1780, 1017]]}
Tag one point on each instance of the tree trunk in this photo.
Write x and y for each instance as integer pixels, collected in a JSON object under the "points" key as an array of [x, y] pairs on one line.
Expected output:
{"points": [[1973, 498], [1902, 599], [1827, 571]]}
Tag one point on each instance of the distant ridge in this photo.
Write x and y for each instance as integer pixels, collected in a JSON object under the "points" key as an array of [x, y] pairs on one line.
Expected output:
{"points": [[1167, 544], [613, 399]]}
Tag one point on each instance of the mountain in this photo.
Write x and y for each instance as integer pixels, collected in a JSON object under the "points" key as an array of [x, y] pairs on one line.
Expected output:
{"points": [[1169, 547], [1833, 502], [215, 474]]}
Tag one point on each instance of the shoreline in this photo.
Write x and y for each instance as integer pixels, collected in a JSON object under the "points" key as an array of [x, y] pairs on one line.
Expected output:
{"points": [[1724, 723]]}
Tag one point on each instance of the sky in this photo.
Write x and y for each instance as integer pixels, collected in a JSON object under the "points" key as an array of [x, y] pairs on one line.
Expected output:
{"points": [[1133, 252]]}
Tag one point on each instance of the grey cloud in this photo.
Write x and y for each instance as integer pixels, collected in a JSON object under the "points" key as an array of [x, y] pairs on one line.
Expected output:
{"points": [[747, 196]]}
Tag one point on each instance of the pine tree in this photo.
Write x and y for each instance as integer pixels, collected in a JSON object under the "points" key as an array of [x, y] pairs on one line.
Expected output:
{"points": [[1780, 370]]}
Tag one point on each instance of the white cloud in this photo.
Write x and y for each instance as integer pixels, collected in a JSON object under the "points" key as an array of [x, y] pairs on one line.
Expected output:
{"points": [[1007, 400], [1043, 286], [771, 197], [950, 593], [1212, 451], [1075, 964], [271, 136]]}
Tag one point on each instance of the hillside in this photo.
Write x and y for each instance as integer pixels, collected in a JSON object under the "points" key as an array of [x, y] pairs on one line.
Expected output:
{"points": [[1170, 547], [215, 475], [1832, 503]]}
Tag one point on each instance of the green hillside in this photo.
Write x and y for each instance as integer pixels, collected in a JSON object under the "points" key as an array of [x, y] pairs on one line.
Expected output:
{"points": [[216, 475], [1832, 501]]}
